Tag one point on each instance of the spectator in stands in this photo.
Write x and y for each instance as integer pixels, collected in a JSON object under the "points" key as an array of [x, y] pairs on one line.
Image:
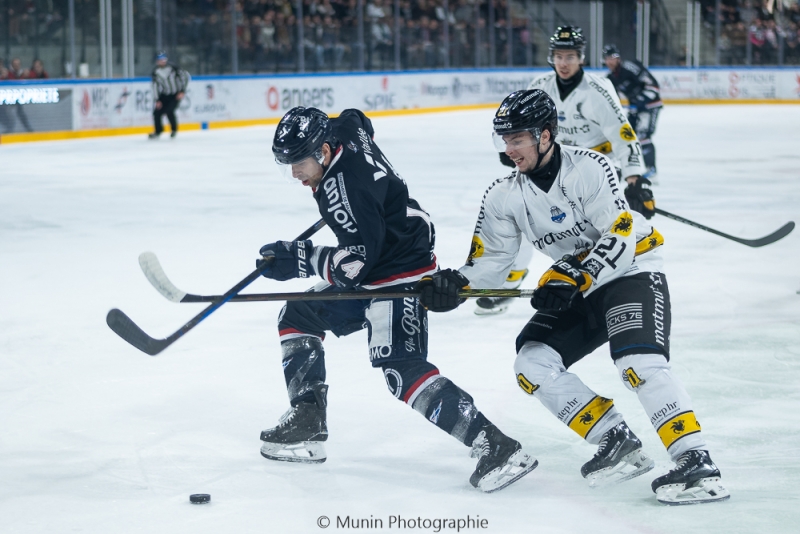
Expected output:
{"points": [[16, 72], [37, 70], [3, 70]]}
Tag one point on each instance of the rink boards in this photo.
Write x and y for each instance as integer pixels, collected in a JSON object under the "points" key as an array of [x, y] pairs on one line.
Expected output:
{"points": [[47, 110]]}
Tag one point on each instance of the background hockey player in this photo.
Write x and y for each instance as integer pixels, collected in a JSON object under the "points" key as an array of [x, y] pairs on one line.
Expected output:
{"points": [[594, 293], [591, 116], [384, 239], [169, 87], [632, 78]]}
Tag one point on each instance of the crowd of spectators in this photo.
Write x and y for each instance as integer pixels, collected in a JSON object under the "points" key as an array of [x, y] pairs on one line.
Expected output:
{"points": [[14, 71], [267, 36], [770, 29]]}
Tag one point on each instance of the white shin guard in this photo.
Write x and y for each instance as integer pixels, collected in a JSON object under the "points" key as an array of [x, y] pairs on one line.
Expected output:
{"points": [[541, 373], [665, 400]]}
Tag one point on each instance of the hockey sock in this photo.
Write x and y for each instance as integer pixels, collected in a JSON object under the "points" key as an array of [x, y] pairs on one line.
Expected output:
{"points": [[648, 153], [541, 373], [664, 399], [419, 384], [303, 363]]}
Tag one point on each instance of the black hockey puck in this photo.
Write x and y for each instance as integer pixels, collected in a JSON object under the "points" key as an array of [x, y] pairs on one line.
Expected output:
{"points": [[199, 498]]}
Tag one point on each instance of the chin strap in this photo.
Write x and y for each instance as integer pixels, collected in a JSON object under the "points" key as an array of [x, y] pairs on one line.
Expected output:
{"points": [[539, 155]]}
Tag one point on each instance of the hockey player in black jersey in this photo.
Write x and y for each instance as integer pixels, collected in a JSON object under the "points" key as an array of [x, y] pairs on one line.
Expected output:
{"points": [[632, 78], [384, 239]]}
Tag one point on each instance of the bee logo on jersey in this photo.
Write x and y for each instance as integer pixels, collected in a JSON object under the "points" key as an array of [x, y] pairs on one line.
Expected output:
{"points": [[626, 132], [623, 225], [556, 215], [476, 249], [526, 385]]}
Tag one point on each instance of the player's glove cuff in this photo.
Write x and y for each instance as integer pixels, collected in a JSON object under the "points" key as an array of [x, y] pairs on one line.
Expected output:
{"points": [[284, 260], [439, 292], [640, 197], [560, 285]]}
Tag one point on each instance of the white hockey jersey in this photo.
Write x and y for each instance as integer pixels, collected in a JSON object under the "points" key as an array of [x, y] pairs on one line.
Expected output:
{"points": [[583, 214], [592, 117]]}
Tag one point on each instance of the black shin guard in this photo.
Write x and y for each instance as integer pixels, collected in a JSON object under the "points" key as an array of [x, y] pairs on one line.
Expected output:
{"points": [[303, 364], [419, 384]]}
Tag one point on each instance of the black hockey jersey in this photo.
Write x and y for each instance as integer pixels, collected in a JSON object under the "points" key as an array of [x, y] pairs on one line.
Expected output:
{"points": [[636, 82], [384, 236]]}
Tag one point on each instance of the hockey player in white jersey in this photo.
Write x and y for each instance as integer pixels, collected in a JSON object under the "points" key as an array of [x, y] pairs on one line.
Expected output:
{"points": [[606, 285], [589, 115]]}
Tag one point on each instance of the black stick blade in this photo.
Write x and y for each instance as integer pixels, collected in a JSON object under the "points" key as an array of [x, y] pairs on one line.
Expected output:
{"points": [[780, 233], [122, 325]]}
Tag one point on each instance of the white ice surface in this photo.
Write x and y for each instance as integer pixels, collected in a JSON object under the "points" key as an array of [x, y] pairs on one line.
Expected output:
{"points": [[98, 437]]}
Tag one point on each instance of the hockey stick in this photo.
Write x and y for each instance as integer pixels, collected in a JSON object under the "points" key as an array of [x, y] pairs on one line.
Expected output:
{"points": [[155, 274], [780, 233], [130, 332], [359, 295], [122, 325]]}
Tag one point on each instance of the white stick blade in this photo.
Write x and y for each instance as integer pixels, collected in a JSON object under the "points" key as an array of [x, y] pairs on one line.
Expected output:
{"points": [[155, 274]]}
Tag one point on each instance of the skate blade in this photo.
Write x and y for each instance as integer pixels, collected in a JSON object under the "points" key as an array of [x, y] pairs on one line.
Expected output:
{"points": [[703, 491], [307, 452], [630, 466], [516, 467], [497, 310]]}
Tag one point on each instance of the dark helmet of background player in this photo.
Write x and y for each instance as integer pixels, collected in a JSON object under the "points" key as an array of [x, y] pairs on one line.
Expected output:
{"points": [[567, 38], [610, 50], [530, 110], [300, 134]]}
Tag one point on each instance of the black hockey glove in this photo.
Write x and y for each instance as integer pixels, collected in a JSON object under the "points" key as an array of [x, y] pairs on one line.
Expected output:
{"points": [[284, 260], [439, 292], [561, 285], [640, 197]]}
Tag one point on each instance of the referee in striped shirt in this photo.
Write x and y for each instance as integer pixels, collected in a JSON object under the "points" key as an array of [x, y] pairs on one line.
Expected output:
{"points": [[169, 83]]}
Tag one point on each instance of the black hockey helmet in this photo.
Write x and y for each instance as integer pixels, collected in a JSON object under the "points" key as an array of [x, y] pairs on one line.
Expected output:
{"points": [[567, 38], [610, 50], [300, 134], [531, 110]]}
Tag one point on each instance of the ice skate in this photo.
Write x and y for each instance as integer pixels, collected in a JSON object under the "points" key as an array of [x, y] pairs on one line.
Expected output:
{"points": [[695, 480], [492, 305], [501, 460], [173, 134], [619, 457], [300, 433], [153, 136]]}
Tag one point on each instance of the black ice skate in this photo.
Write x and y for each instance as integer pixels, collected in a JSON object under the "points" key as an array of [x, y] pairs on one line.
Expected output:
{"points": [[694, 480], [492, 305], [501, 460], [153, 135], [619, 457], [300, 433]]}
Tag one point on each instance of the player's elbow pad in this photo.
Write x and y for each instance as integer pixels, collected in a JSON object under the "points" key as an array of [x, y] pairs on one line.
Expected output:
{"points": [[340, 267]]}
